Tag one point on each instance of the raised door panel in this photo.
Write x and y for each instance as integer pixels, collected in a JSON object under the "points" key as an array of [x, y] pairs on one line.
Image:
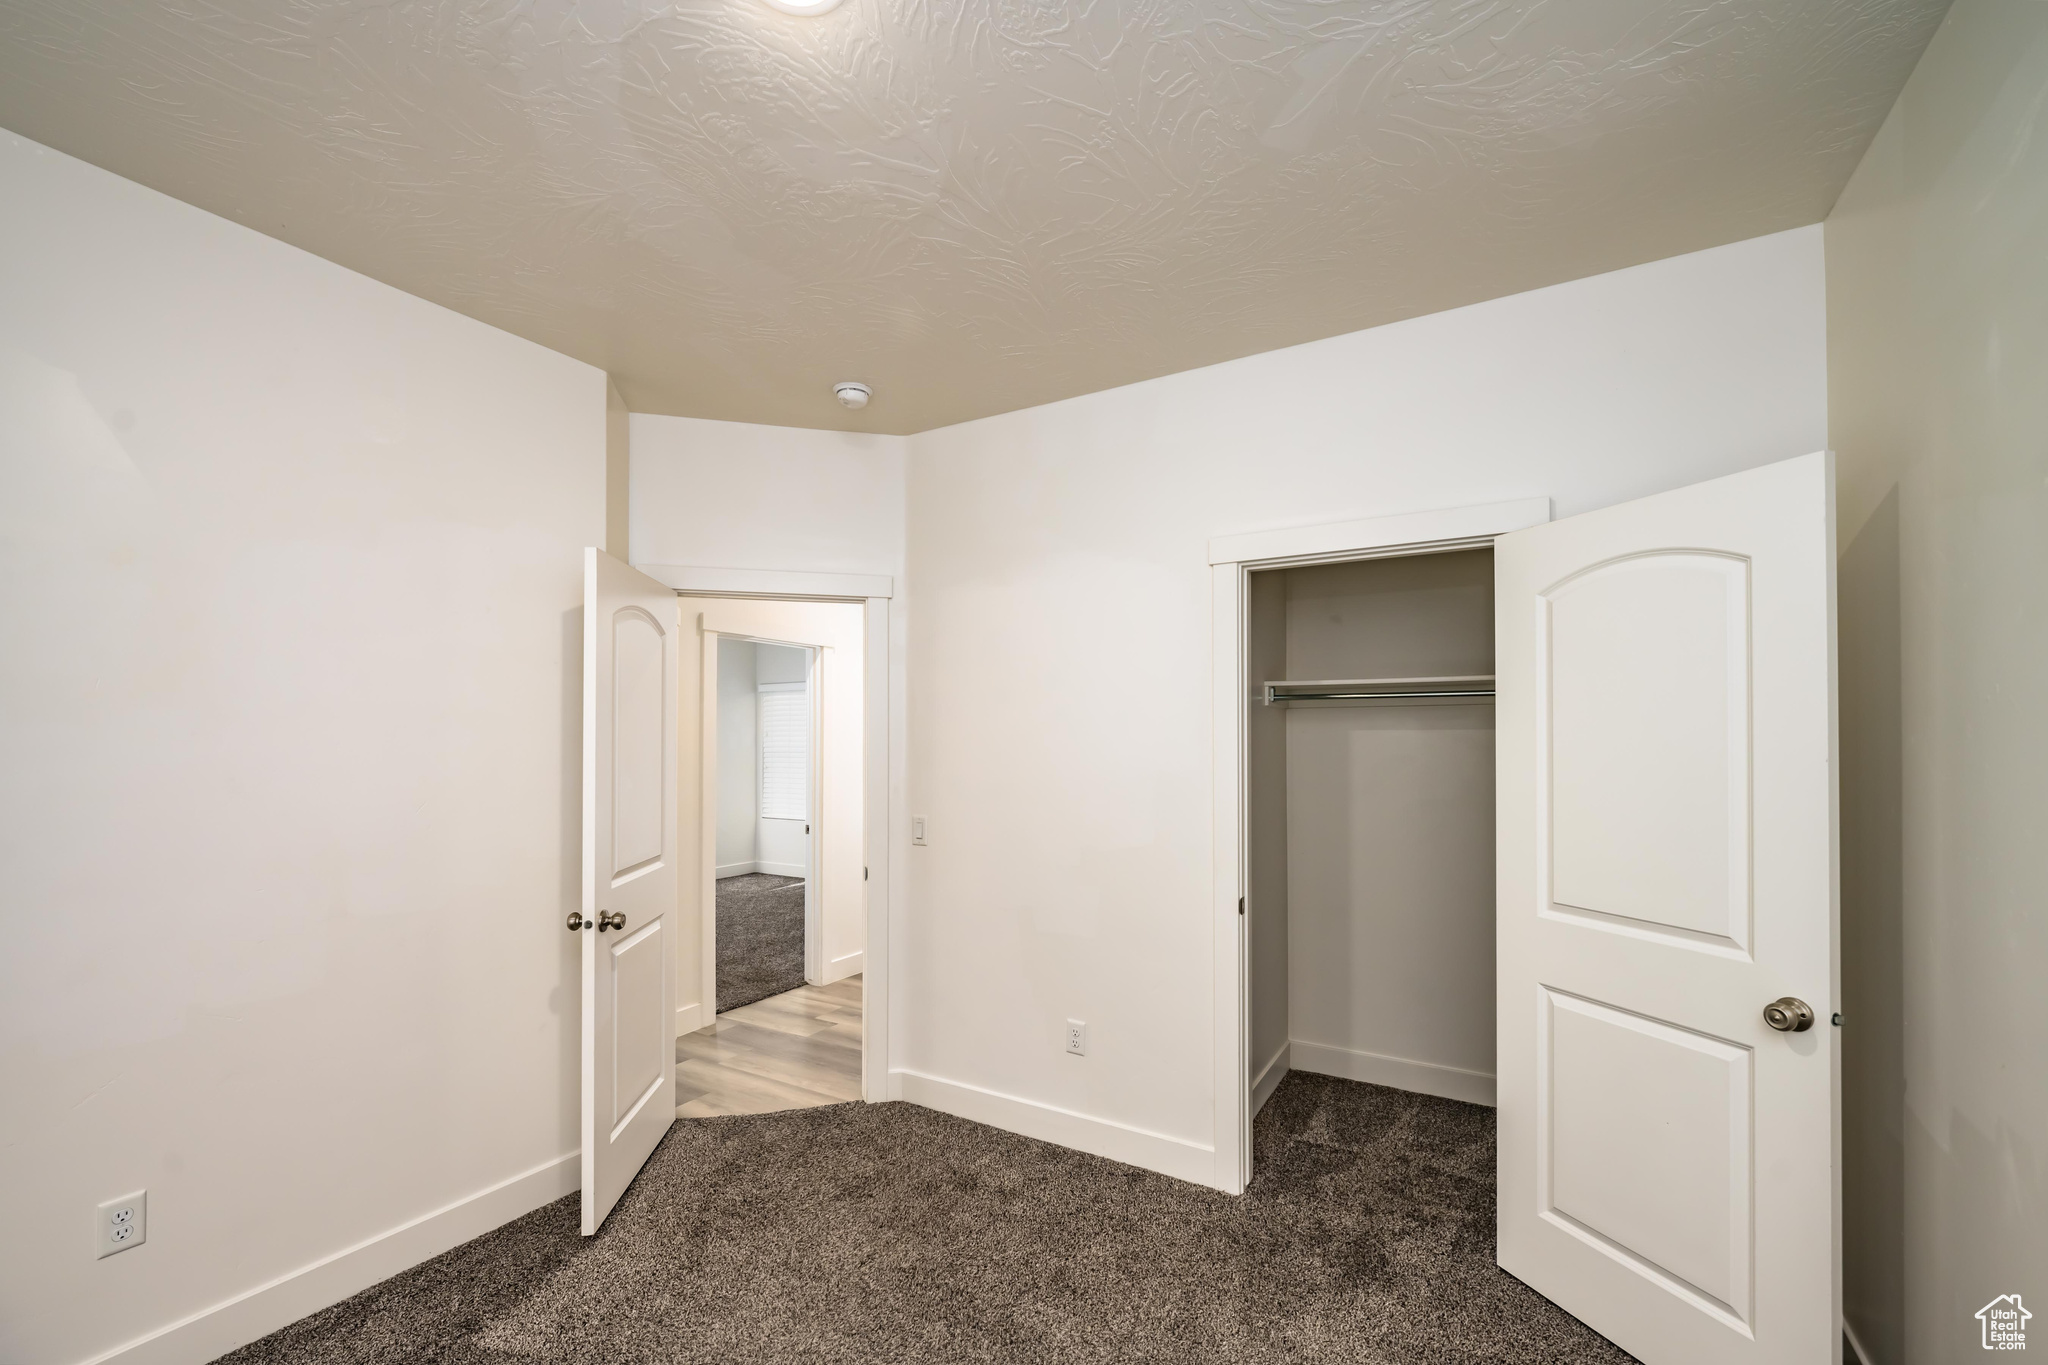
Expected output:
{"points": [[641, 1038], [1654, 1173], [639, 798], [1645, 671]]}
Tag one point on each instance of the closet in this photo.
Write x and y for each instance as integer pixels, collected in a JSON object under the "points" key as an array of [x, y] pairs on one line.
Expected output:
{"points": [[1370, 782]]}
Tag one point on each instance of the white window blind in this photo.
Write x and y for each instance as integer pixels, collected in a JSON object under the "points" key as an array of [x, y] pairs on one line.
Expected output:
{"points": [[785, 751]]}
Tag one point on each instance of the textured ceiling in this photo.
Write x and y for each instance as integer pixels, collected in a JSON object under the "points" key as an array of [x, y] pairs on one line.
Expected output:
{"points": [[974, 205]]}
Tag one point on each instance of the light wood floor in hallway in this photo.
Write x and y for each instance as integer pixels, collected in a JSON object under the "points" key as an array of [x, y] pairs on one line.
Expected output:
{"points": [[791, 1051]]}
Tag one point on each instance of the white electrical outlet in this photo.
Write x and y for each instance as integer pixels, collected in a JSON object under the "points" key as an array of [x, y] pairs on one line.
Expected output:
{"points": [[1077, 1037], [917, 829], [124, 1223]]}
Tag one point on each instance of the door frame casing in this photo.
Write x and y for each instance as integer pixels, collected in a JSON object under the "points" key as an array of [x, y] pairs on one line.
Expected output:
{"points": [[1231, 560], [879, 680]]}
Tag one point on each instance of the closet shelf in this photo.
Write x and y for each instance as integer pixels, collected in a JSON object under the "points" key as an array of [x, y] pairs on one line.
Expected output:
{"points": [[1366, 691]]}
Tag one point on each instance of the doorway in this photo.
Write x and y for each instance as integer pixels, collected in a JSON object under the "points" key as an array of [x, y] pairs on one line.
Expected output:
{"points": [[779, 1016], [1664, 1061], [1374, 603], [764, 820], [655, 1051], [1370, 785]]}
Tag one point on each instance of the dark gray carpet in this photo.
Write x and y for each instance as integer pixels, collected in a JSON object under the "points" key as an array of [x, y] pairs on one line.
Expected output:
{"points": [[886, 1232], [760, 938]]}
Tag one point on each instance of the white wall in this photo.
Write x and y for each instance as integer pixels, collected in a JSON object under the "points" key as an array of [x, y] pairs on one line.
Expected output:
{"points": [[1061, 654], [1938, 348], [784, 845], [730, 495], [289, 723], [747, 840], [739, 757], [618, 473], [781, 664]]}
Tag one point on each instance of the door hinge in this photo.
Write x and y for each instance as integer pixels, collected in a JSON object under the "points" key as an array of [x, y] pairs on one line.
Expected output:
{"points": [[863, 874], [1240, 905]]}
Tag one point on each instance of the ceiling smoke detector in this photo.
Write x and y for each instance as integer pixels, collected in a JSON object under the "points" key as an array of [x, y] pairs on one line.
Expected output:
{"points": [[853, 394]]}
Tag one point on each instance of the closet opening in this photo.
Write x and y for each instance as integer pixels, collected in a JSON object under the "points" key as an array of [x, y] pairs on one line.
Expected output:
{"points": [[1369, 823]]}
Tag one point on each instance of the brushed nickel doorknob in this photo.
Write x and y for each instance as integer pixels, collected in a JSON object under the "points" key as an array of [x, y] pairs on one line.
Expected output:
{"points": [[576, 920], [1789, 1014], [607, 920]]}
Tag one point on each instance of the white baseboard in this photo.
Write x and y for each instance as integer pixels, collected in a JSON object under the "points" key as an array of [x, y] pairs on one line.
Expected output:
{"points": [[839, 968], [689, 1018], [1177, 1157], [256, 1313], [1269, 1078], [1427, 1078], [772, 869]]}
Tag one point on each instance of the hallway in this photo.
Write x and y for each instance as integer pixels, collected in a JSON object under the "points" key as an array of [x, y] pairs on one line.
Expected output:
{"points": [[789, 1051]]}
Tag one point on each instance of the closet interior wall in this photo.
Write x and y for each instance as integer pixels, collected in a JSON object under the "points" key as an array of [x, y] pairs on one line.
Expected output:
{"points": [[1370, 905], [1266, 832]]}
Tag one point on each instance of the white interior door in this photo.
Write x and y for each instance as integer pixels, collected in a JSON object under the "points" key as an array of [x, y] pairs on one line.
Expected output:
{"points": [[629, 875], [1666, 824]]}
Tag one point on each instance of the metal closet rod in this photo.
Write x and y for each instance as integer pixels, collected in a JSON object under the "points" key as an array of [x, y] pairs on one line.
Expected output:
{"points": [[1378, 689]]}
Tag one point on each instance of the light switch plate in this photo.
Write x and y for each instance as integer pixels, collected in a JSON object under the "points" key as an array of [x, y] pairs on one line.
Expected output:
{"points": [[917, 829]]}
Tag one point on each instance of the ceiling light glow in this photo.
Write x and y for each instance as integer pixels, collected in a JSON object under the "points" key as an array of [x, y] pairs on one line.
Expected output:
{"points": [[809, 9]]}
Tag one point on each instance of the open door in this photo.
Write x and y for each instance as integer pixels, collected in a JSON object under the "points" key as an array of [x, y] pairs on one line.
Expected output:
{"points": [[629, 876], [1667, 918]]}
